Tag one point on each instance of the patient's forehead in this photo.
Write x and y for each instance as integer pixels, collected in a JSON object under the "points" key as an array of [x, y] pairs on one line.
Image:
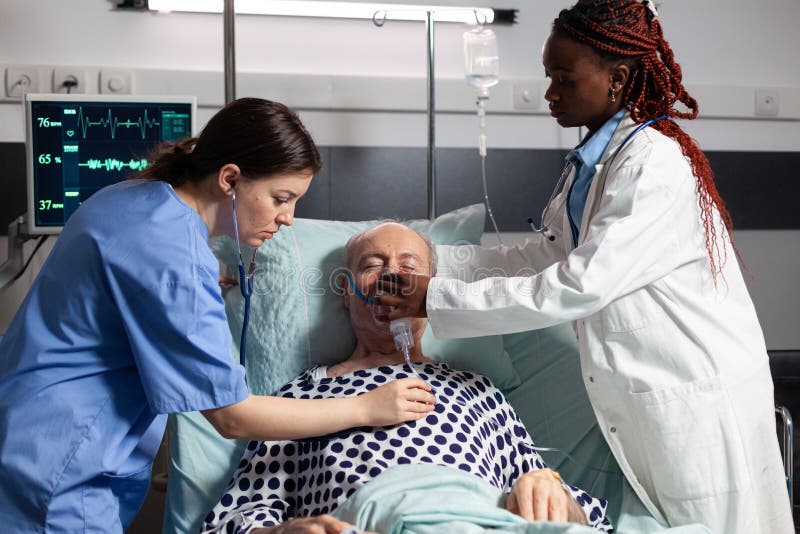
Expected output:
{"points": [[391, 240]]}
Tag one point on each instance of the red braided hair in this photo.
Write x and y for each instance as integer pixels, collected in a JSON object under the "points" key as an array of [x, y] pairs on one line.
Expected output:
{"points": [[628, 31]]}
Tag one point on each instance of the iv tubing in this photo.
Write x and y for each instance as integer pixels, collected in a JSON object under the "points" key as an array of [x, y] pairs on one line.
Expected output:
{"points": [[482, 151]]}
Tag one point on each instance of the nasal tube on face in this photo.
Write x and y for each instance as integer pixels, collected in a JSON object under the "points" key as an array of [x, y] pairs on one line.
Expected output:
{"points": [[401, 331]]}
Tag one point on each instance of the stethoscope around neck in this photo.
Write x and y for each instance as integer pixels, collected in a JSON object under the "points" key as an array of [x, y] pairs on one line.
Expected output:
{"points": [[245, 282], [543, 228]]}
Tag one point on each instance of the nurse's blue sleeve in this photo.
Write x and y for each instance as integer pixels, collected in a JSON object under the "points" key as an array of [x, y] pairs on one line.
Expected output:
{"points": [[180, 342]]}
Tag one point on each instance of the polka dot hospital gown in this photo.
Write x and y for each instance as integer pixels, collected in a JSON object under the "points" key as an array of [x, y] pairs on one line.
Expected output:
{"points": [[473, 428]]}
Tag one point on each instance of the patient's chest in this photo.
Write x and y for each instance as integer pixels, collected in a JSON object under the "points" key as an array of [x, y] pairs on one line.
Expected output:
{"points": [[473, 428]]}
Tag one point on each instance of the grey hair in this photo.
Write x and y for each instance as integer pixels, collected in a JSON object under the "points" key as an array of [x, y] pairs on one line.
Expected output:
{"points": [[348, 248]]}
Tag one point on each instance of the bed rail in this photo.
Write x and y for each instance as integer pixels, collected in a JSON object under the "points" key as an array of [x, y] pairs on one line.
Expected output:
{"points": [[788, 448]]}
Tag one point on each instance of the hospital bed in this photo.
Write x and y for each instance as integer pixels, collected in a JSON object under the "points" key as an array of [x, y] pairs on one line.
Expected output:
{"points": [[298, 320], [785, 367]]}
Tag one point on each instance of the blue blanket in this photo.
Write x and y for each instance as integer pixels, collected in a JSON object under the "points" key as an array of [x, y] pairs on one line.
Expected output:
{"points": [[429, 499], [422, 499]]}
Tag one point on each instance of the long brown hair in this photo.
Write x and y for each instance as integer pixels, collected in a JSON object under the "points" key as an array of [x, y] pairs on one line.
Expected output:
{"points": [[628, 31], [260, 136]]}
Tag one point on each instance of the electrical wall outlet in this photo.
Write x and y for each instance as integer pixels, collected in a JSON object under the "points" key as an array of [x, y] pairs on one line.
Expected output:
{"points": [[65, 77], [21, 79], [528, 96], [116, 82], [767, 103]]}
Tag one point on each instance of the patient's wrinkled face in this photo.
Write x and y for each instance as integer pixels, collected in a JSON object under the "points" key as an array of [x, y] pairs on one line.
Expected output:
{"points": [[388, 248]]}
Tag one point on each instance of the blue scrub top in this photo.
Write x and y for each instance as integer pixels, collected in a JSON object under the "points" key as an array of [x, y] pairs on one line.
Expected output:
{"points": [[124, 324]]}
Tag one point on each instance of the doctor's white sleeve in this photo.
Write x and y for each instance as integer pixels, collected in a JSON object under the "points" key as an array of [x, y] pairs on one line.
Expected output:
{"points": [[471, 262], [632, 240]]}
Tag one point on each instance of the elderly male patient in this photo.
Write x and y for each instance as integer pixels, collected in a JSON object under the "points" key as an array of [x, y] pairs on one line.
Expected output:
{"points": [[291, 486]]}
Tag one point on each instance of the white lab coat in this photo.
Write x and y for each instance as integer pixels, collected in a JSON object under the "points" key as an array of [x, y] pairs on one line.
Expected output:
{"points": [[677, 371]]}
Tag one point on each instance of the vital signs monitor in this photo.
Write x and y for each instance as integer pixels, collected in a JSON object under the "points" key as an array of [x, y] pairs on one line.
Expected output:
{"points": [[78, 144]]}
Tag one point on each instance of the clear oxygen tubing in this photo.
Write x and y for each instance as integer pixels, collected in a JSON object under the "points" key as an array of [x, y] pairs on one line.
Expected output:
{"points": [[404, 340], [481, 103]]}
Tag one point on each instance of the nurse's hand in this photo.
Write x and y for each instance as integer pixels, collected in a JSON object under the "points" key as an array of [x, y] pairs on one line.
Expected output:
{"points": [[320, 524], [407, 292], [406, 399], [539, 496]]}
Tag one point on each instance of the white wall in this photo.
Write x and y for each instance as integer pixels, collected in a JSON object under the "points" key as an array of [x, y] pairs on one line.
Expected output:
{"points": [[722, 45], [724, 42], [726, 48]]}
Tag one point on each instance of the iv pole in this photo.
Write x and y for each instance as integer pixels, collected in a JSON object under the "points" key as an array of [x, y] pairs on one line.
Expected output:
{"points": [[230, 80], [229, 50], [431, 108], [431, 118], [508, 16]]}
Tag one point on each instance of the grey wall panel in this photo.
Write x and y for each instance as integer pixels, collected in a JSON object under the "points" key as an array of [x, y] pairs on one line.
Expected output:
{"points": [[519, 182], [370, 183], [358, 183], [316, 204], [761, 189]]}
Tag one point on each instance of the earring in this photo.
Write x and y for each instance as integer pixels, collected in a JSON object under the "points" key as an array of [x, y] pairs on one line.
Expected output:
{"points": [[612, 95]]}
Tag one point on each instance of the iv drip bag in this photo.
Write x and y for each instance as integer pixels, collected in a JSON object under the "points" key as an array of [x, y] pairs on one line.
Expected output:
{"points": [[482, 61]]}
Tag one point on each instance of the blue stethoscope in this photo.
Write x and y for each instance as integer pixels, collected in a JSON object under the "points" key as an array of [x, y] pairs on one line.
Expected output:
{"points": [[544, 228], [245, 283]]}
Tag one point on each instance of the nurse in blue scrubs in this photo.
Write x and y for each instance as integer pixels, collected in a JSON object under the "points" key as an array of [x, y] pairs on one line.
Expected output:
{"points": [[125, 324]]}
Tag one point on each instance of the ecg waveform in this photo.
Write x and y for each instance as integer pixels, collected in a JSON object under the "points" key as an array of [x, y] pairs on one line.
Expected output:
{"points": [[113, 122], [112, 164]]}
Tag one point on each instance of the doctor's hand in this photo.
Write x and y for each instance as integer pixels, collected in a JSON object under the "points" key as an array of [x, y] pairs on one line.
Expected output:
{"points": [[406, 292], [320, 524], [539, 496], [407, 399]]}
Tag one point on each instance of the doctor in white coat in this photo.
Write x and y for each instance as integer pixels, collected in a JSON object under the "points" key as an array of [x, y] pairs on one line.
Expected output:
{"points": [[635, 248]]}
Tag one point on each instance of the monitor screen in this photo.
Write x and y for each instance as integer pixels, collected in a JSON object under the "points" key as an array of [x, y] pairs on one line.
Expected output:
{"points": [[78, 144]]}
